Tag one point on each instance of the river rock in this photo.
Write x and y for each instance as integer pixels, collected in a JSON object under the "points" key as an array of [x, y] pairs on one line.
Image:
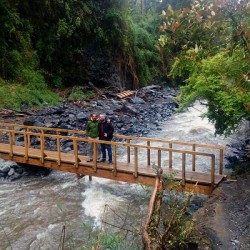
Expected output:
{"points": [[136, 100], [11, 172], [4, 169]]}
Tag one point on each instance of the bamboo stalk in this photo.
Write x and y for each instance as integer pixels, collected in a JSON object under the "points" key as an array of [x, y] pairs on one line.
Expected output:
{"points": [[148, 153], [183, 169], [136, 162], [193, 157]]}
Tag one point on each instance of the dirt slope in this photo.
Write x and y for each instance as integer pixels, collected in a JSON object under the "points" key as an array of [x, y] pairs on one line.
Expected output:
{"points": [[224, 221]]}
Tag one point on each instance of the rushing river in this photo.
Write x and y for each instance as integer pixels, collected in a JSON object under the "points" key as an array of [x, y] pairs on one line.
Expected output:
{"points": [[33, 210]]}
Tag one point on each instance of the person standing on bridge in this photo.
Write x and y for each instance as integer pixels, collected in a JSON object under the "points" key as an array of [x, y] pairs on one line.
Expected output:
{"points": [[106, 131], [92, 133]]}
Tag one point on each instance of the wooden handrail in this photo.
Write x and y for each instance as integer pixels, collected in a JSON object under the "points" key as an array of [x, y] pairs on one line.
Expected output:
{"points": [[27, 133], [115, 136]]}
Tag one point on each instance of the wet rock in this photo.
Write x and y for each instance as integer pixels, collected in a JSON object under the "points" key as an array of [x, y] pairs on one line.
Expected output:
{"points": [[128, 109], [136, 100], [81, 116], [4, 169], [11, 172]]}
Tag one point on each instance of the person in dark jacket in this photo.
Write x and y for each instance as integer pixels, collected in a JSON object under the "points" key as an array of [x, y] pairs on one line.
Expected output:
{"points": [[106, 131]]}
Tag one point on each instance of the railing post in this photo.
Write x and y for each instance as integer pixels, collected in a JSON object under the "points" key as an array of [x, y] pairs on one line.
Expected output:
{"points": [[193, 157], [136, 162], [170, 156], [28, 134], [212, 170], [128, 151], [58, 146], [13, 135], [11, 143], [94, 156], [76, 152], [26, 147], [148, 153], [183, 168], [115, 161], [42, 146], [159, 158], [221, 161]]}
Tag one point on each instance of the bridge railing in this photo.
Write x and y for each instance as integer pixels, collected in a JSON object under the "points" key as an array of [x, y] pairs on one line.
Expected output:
{"points": [[56, 134], [217, 150]]}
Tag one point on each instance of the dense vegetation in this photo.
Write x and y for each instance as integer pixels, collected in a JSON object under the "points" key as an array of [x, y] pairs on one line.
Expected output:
{"points": [[207, 46], [202, 46]]}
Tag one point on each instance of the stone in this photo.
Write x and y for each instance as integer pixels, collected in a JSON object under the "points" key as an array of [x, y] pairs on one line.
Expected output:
{"points": [[11, 172]]}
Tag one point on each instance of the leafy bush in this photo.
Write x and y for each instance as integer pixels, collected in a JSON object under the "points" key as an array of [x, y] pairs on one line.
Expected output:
{"points": [[77, 93]]}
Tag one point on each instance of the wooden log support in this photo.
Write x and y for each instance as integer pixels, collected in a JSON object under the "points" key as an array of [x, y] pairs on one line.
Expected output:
{"points": [[128, 151], [136, 162], [170, 156], [115, 161], [193, 158], [183, 169], [148, 153]]}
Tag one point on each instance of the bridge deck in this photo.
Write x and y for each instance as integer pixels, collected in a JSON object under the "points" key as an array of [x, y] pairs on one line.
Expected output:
{"points": [[124, 171]]}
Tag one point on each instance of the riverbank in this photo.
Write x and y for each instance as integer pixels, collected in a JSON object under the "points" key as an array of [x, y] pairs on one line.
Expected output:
{"points": [[224, 220]]}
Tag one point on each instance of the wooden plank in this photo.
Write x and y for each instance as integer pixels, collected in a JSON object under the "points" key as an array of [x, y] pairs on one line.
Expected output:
{"points": [[125, 94], [123, 167]]}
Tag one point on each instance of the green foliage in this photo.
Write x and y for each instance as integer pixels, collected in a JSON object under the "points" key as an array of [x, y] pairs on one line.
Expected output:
{"points": [[77, 93], [13, 95], [210, 51]]}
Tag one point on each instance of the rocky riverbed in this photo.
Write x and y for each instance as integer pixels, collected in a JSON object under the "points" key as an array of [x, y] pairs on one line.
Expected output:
{"points": [[223, 222]]}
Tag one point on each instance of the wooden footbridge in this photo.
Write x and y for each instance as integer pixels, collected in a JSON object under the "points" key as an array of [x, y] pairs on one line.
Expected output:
{"points": [[133, 157]]}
